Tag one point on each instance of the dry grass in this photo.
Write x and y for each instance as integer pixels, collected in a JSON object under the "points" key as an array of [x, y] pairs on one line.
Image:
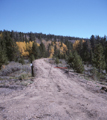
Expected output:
{"points": [[10, 68], [15, 74], [14, 67]]}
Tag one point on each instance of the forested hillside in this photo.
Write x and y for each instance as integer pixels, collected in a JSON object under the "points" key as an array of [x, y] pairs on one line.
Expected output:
{"points": [[17, 46]]}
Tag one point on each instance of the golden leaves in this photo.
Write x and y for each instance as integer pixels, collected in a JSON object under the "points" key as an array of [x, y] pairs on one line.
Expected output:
{"points": [[51, 51], [1, 35], [25, 47], [76, 43], [62, 48]]}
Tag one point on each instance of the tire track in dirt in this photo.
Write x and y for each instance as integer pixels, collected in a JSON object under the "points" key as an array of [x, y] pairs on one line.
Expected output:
{"points": [[53, 96]]}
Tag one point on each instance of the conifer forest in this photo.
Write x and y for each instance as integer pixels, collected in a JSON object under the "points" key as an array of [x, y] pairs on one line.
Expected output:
{"points": [[17, 46]]}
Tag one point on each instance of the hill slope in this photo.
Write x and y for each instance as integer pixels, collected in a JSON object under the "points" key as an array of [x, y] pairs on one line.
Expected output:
{"points": [[54, 96]]}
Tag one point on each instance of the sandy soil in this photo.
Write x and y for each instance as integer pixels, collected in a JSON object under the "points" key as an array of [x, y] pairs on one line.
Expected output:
{"points": [[54, 96]]}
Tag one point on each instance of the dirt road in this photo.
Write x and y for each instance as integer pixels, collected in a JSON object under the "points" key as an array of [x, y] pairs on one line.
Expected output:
{"points": [[53, 96]]}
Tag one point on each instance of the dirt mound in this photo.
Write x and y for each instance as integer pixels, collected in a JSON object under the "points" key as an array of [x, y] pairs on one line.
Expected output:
{"points": [[54, 96]]}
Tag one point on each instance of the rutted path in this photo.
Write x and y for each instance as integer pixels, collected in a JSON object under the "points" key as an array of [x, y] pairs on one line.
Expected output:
{"points": [[53, 96]]}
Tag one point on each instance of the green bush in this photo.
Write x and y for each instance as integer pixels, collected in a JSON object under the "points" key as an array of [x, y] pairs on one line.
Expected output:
{"points": [[22, 77], [32, 58], [21, 60], [57, 61], [95, 74], [75, 61]]}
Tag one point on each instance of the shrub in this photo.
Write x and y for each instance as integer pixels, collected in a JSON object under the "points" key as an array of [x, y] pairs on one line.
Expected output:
{"points": [[57, 61], [22, 76], [32, 58], [75, 61], [95, 74], [21, 60], [26, 68], [10, 68]]}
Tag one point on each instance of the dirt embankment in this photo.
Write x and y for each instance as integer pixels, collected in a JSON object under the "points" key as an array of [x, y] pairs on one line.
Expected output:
{"points": [[55, 96]]}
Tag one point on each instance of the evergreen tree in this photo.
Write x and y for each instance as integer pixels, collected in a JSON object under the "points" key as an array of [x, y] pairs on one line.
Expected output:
{"points": [[48, 50], [75, 61], [21, 60], [12, 34], [106, 57], [57, 61], [61, 44], [55, 40], [91, 56], [31, 58], [17, 37], [70, 59], [3, 56], [99, 58], [58, 54], [86, 52], [32, 36], [69, 46], [97, 39], [103, 41], [42, 50], [21, 36], [93, 42], [11, 48], [40, 37], [35, 50], [80, 48], [55, 50]]}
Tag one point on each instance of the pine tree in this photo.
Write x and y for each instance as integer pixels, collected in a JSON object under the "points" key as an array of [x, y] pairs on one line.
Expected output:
{"points": [[55, 50], [21, 36], [48, 54], [32, 36], [35, 50], [70, 58], [55, 40], [11, 48], [69, 46], [80, 48], [91, 56], [31, 58], [99, 58], [58, 54], [3, 56], [97, 39], [42, 50], [57, 61], [86, 52], [93, 42], [61, 44], [75, 61]]}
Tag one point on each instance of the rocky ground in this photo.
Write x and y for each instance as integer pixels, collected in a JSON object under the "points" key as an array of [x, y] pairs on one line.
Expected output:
{"points": [[54, 95]]}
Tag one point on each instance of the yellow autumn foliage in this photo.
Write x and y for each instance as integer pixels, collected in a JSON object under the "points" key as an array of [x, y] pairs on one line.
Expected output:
{"points": [[25, 47], [1, 35], [76, 43], [63, 49], [51, 51]]}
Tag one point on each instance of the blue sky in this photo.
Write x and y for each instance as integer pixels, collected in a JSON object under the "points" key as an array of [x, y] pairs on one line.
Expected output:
{"points": [[79, 18]]}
